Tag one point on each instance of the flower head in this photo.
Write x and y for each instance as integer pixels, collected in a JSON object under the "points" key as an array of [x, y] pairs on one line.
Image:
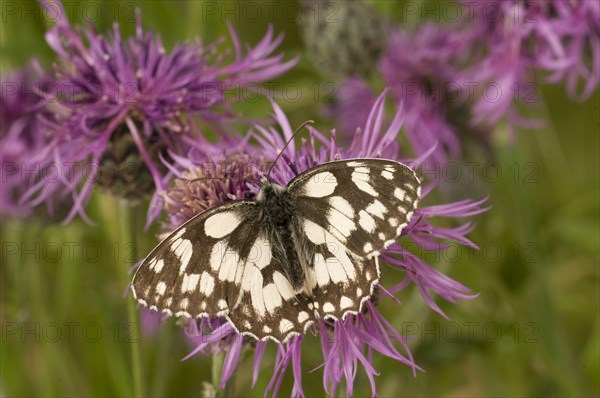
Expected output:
{"points": [[347, 344], [569, 48], [419, 72], [342, 37], [125, 103]]}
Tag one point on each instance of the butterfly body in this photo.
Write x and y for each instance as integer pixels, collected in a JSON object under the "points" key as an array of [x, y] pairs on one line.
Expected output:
{"points": [[297, 253], [277, 206]]}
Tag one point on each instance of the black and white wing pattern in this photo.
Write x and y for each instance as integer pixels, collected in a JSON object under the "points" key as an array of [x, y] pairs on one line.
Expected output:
{"points": [[193, 272], [222, 263], [273, 266], [348, 212]]}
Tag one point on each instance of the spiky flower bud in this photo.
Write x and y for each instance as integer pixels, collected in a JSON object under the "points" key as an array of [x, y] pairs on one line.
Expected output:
{"points": [[342, 37], [122, 170]]}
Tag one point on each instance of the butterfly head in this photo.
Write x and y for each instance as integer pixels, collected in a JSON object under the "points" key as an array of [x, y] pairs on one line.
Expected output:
{"points": [[269, 190]]}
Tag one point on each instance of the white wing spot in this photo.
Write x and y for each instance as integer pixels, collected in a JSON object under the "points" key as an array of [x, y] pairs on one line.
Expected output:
{"points": [[256, 292], [229, 266], [183, 304], [260, 253], [399, 193], [161, 288], [283, 285], [366, 221], [340, 226], [178, 234], [381, 236], [216, 254], [387, 175], [190, 281], [342, 205], [272, 297], [221, 224], [336, 270], [207, 283], [359, 292], [321, 270], [157, 265], [252, 276], [314, 233], [285, 325], [320, 185], [377, 209], [346, 302], [355, 164], [222, 304], [267, 329], [361, 180], [393, 221], [302, 316], [328, 307], [368, 247], [183, 249]]}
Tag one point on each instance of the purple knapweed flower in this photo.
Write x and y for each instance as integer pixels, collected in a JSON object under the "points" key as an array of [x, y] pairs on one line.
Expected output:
{"points": [[558, 37], [126, 103], [569, 32], [347, 344], [461, 79], [419, 72], [512, 41], [22, 139]]}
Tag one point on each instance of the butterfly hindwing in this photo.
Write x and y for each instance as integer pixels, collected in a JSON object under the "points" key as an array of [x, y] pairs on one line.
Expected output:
{"points": [[268, 306], [340, 281]]}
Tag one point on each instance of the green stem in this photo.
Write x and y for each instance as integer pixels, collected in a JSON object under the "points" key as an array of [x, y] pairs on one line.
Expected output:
{"points": [[217, 368], [127, 223]]}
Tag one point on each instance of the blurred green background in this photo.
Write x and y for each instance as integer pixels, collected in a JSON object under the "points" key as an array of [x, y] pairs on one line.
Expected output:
{"points": [[533, 331]]}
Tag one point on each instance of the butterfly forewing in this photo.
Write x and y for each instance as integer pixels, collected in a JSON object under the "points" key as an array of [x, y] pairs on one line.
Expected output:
{"points": [[193, 272], [364, 203]]}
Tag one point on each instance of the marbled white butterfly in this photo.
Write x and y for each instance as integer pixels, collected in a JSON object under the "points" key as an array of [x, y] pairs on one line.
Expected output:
{"points": [[301, 252]]}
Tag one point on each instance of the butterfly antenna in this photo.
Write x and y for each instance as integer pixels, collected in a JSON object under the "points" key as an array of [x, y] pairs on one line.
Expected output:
{"points": [[222, 178], [288, 143]]}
